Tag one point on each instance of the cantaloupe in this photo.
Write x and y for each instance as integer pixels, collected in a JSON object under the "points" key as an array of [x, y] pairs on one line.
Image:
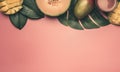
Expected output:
{"points": [[53, 7]]}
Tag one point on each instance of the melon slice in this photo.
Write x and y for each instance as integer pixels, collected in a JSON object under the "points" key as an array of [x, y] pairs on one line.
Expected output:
{"points": [[53, 7]]}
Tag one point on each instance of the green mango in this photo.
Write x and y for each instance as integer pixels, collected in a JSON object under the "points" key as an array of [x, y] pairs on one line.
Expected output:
{"points": [[83, 8]]}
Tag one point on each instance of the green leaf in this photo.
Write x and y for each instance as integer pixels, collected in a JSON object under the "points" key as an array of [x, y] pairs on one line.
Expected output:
{"points": [[63, 19], [29, 12], [98, 18], [73, 22], [88, 23], [18, 20], [68, 18], [93, 20], [31, 4]]}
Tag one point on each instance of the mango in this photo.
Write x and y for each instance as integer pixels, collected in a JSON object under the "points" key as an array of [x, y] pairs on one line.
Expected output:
{"points": [[83, 8], [10, 6]]}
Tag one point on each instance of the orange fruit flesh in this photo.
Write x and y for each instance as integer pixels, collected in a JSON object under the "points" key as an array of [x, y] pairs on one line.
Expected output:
{"points": [[53, 7]]}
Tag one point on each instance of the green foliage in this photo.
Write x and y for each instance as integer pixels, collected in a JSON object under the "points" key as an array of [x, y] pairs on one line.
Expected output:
{"points": [[18, 20], [30, 11], [93, 20]]}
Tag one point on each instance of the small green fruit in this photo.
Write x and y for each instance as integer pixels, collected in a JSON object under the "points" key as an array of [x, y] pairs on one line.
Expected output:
{"points": [[83, 8]]}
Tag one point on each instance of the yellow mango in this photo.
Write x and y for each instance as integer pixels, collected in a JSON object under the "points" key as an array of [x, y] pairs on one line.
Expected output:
{"points": [[10, 6]]}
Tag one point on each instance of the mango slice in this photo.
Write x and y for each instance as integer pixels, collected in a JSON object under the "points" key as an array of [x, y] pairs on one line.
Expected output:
{"points": [[10, 6]]}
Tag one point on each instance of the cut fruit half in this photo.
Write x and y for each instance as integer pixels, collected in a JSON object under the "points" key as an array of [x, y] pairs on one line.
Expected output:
{"points": [[53, 7], [106, 5]]}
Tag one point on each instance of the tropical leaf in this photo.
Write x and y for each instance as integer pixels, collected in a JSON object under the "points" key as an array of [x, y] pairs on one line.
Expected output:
{"points": [[30, 5], [29, 12], [18, 20], [94, 20]]}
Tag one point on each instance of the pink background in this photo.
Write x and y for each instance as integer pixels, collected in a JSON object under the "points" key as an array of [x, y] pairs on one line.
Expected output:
{"points": [[47, 46]]}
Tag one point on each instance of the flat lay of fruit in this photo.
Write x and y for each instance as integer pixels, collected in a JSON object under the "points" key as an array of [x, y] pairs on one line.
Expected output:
{"points": [[77, 14]]}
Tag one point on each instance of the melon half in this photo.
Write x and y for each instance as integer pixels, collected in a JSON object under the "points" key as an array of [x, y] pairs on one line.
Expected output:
{"points": [[53, 7]]}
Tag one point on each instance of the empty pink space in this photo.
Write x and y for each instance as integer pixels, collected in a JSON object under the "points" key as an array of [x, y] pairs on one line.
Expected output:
{"points": [[47, 46]]}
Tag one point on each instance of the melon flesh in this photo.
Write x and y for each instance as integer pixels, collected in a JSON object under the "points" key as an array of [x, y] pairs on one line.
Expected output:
{"points": [[53, 7]]}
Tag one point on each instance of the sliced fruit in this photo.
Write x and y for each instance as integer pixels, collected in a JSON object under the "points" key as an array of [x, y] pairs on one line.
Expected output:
{"points": [[53, 7], [106, 5], [10, 6], [83, 8], [114, 16]]}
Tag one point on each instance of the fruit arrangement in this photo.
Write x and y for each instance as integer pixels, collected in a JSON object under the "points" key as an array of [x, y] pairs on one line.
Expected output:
{"points": [[77, 14]]}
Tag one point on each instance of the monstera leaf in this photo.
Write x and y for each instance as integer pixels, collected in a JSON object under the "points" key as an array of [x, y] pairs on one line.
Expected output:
{"points": [[94, 20]]}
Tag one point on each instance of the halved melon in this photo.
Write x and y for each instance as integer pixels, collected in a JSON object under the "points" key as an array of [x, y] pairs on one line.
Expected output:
{"points": [[53, 7]]}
